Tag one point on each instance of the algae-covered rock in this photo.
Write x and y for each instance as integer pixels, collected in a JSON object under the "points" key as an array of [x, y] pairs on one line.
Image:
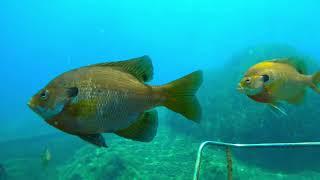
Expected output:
{"points": [[93, 163], [28, 168], [164, 158]]}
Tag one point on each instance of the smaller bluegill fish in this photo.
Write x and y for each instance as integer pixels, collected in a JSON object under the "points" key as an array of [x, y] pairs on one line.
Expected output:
{"points": [[278, 80], [113, 97], [46, 157]]}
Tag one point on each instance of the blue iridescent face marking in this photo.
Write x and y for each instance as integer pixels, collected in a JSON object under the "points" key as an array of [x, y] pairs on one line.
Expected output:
{"points": [[47, 113], [47, 104]]}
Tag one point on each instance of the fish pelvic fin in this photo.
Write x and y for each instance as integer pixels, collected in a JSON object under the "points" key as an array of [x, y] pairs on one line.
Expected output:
{"points": [[94, 139], [180, 96], [277, 110], [315, 80], [144, 129]]}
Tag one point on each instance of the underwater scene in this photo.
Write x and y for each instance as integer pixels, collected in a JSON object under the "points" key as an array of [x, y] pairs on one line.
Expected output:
{"points": [[117, 90]]}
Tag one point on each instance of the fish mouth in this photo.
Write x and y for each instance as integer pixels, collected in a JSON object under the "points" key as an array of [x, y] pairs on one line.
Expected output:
{"points": [[31, 104], [241, 89]]}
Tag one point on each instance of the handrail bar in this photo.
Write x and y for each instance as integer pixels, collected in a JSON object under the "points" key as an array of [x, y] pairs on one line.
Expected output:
{"points": [[259, 145]]}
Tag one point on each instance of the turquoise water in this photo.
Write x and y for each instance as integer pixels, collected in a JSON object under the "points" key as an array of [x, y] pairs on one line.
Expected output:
{"points": [[42, 39]]}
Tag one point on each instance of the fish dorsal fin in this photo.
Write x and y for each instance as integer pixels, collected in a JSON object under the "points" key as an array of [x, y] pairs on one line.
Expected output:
{"points": [[296, 62], [140, 67], [144, 129]]}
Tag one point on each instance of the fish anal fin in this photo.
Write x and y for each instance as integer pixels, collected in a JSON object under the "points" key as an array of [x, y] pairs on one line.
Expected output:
{"points": [[95, 139], [140, 67], [144, 129]]}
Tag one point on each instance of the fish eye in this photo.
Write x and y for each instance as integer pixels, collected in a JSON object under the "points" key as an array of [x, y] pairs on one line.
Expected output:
{"points": [[248, 80], [44, 95], [265, 78]]}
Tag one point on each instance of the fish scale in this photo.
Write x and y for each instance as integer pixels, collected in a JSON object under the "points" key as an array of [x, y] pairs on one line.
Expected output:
{"points": [[108, 108]]}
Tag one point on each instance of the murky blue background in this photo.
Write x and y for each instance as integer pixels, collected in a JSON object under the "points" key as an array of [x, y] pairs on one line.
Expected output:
{"points": [[41, 39]]}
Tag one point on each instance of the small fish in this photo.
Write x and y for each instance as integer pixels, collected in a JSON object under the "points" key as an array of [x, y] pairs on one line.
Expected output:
{"points": [[112, 97], [46, 157], [278, 80]]}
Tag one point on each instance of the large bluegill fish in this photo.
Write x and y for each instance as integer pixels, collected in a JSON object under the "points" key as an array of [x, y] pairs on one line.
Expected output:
{"points": [[113, 98]]}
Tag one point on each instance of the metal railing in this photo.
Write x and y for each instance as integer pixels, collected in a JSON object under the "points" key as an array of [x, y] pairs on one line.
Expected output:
{"points": [[228, 147]]}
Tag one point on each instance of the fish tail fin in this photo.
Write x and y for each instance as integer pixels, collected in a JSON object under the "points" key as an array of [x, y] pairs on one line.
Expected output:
{"points": [[180, 96], [315, 80]]}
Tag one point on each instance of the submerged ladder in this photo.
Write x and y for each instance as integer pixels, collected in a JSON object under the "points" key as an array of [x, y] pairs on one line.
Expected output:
{"points": [[229, 146]]}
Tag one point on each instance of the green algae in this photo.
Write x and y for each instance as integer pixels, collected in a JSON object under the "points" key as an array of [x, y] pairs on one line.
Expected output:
{"points": [[167, 157], [132, 160]]}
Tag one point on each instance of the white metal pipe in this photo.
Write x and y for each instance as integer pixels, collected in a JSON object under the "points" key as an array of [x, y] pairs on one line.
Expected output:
{"points": [[261, 145]]}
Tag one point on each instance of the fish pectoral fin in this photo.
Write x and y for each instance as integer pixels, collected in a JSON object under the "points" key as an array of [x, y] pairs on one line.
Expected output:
{"points": [[95, 139], [276, 109], [144, 129], [140, 67]]}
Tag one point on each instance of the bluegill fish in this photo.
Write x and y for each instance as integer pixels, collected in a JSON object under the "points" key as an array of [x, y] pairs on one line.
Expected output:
{"points": [[278, 80], [46, 157], [112, 97]]}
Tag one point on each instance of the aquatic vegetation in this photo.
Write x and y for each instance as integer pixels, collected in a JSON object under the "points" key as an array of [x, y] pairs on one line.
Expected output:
{"points": [[128, 159], [164, 158]]}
